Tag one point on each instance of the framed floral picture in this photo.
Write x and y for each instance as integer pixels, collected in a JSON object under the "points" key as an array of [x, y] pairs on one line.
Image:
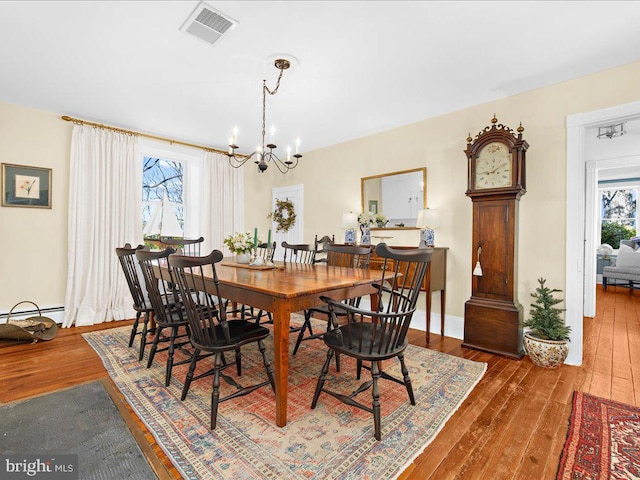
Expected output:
{"points": [[24, 186]]}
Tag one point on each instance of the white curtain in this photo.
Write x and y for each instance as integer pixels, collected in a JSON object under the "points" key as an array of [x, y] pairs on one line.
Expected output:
{"points": [[105, 212], [222, 207]]}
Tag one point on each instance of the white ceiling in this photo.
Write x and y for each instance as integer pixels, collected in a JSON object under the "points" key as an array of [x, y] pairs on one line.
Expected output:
{"points": [[363, 67]]}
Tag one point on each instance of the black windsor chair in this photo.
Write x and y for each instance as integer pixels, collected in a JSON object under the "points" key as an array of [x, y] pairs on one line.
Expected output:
{"points": [[167, 307], [378, 334], [350, 256], [321, 256], [210, 330], [141, 304], [299, 253], [184, 246]]}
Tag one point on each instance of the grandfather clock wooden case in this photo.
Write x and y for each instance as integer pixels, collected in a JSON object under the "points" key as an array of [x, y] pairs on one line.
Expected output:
{"points": [[496, 181]]}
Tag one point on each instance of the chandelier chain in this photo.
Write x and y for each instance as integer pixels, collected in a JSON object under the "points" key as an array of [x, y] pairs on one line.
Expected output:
{"points": [[266, 90]]}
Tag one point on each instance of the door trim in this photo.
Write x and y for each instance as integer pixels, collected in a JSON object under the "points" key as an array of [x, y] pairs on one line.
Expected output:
{"points": [[578, 243]]}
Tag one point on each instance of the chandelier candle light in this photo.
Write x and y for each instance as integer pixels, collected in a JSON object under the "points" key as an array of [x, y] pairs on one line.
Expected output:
{"points": [[264, 154]]}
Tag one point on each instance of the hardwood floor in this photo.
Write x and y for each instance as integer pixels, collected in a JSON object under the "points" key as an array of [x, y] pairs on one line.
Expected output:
{"points": [[512, 426]]}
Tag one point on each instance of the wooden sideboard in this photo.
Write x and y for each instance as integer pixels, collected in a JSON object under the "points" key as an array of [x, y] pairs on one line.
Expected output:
{"points": [[435, 280]]}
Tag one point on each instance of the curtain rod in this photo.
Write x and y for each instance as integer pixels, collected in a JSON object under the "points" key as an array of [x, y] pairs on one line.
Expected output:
{"points": [[78, 121]]}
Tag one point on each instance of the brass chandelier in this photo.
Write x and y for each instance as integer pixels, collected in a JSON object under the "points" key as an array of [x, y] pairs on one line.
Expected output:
{"points": [[264, 154]]}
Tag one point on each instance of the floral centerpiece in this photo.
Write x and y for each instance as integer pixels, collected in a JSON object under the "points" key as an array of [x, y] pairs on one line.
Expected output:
{"points": [[381, 220], [367, 218], [241, 244]]}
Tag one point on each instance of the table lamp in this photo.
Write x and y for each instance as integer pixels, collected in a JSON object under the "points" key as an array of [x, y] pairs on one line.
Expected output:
{"points": [[428, 219], [349, 224]]}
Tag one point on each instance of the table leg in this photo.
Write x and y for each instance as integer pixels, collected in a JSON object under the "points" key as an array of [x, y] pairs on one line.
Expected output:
{"points": [[442, 305], [428, 294], [281, 320]]}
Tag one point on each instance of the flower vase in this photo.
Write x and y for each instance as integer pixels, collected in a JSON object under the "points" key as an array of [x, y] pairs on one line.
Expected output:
{"points": [[243, 257], [365, 234]]}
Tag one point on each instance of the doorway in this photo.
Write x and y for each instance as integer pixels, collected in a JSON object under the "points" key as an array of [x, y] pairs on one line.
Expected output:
{"points": [[580, 266]]}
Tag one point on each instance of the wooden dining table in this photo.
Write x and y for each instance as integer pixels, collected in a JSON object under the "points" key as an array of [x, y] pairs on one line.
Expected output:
{"points": [[286, 289]]}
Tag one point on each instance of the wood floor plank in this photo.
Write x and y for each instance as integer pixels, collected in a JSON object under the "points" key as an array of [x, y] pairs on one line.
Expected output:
{"points": [[450, 435], [471, 445], [537, 454], [509, 446], [555, 449]]}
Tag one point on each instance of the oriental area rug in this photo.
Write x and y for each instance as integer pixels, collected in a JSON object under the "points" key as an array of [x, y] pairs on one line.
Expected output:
{"points": [[603, 440], [334, 441]]}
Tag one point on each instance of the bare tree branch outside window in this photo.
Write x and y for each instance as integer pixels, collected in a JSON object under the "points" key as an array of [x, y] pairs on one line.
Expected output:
{"points": [[161, 176]]}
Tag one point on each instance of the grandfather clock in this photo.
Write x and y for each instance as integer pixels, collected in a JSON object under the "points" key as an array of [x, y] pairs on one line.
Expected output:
{"points": [[496, 181]]}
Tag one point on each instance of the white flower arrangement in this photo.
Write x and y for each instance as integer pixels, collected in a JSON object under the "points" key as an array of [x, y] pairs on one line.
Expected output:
{"points": [[240, 243], [366, 218], [381, 219]]}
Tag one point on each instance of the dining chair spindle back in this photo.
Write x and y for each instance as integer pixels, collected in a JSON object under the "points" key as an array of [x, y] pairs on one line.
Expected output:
{"points": [[167, 306], [141, 304], [347, 256], [210, 330], [299, 253], [372, 336], [184, 246]]}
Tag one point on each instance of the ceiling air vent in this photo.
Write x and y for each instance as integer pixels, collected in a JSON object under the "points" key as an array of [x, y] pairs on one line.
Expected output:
{"points": [[207, 23]]}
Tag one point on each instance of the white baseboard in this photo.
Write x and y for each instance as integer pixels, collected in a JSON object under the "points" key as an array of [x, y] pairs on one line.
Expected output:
{"points": [[453, 326]]}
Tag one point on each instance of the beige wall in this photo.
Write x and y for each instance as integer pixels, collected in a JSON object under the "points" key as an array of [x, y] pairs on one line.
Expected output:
{"points": [[332, 176], [33, 241]]}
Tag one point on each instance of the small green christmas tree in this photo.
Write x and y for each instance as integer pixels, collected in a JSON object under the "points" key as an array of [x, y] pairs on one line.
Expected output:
{"points": [[545, 320]]}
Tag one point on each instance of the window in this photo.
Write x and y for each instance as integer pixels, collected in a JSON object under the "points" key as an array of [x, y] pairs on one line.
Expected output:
{"points": [[619, 215], [162, 197], [171, 174]]}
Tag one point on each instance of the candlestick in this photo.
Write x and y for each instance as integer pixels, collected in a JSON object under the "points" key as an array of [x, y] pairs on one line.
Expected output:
{"points": [[255, 237], [269, 239]]}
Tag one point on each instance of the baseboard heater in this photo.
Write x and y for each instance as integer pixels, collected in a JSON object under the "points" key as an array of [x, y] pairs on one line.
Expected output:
{"points": [[56, 313]]}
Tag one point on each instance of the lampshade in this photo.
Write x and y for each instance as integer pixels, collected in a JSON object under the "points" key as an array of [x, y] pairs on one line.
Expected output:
{"points": [[428, 217], [349, 220]]}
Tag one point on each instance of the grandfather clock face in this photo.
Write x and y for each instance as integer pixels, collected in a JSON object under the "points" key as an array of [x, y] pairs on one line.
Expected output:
{"points": [[493, 167]]}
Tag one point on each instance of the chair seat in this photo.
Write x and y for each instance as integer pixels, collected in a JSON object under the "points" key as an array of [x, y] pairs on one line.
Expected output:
{"points": [[175, 318], [362, 346], [240, 331]]}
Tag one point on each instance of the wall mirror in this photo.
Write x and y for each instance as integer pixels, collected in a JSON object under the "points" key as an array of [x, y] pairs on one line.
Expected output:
{"points": [[399, 195]]}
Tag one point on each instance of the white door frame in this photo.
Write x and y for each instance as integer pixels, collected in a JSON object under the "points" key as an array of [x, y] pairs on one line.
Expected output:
{"points": [[580, 266]]}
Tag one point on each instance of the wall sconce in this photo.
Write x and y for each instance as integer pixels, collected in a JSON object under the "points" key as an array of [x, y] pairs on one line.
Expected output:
{"points": [[428, 219], [611, 131], [349, 224]]}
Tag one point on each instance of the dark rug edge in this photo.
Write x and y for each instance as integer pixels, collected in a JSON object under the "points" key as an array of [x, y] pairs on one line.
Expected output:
{"points": [[156, 464]]}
